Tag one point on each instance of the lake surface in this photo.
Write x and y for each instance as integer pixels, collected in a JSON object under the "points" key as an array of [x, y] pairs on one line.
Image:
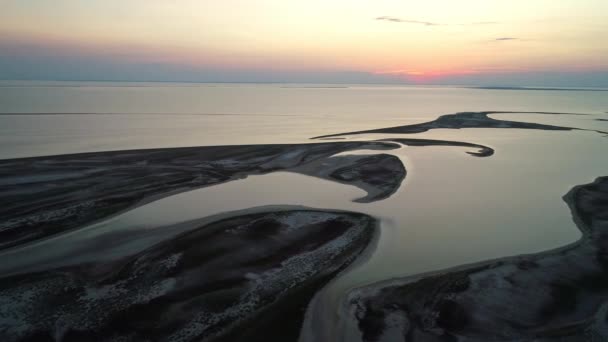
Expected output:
{"points": [[452, 209], [102, 116]]}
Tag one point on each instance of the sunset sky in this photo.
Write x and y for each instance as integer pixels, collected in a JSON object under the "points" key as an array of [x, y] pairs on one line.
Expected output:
{"points": [[518, 42]]}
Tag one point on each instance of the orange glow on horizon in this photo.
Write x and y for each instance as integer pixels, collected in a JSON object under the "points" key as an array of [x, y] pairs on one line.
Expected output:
{"points": [[419, 76]]}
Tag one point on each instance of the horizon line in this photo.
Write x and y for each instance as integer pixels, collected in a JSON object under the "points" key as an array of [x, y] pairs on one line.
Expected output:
{"points": [[394, 83]]}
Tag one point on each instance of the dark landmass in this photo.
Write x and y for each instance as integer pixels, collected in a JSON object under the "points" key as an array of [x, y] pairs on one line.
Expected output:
{"points": [[466, 120], [380, 175], [559, 295], [601, 119], [483, 151], [244, 278], [43, 196], [539, 88]]}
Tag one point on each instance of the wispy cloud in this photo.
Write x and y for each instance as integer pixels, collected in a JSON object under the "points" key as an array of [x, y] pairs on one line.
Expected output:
{"points": [[503, 39], [399, 20], [430, 23]]}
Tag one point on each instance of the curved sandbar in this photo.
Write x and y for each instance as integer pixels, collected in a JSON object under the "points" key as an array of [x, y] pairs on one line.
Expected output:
{"points": [[467, 120], [552, 296], [243, 278], [44, 196], [380, 175], [483, 151]]}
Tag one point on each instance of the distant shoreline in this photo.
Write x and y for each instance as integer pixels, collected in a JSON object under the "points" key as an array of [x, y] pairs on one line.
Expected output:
{"points": [[6, 83], [538, 88]]}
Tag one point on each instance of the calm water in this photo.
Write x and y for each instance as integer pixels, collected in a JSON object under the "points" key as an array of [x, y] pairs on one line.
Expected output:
{"points": [[452, 209], [143, 115]]}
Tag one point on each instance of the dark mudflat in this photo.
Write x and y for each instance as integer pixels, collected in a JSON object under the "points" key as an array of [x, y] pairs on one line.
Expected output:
{"points": [[244, 278]]}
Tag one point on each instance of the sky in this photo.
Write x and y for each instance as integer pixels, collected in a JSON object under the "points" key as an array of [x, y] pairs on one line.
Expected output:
{"points": [[472, 42]]}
